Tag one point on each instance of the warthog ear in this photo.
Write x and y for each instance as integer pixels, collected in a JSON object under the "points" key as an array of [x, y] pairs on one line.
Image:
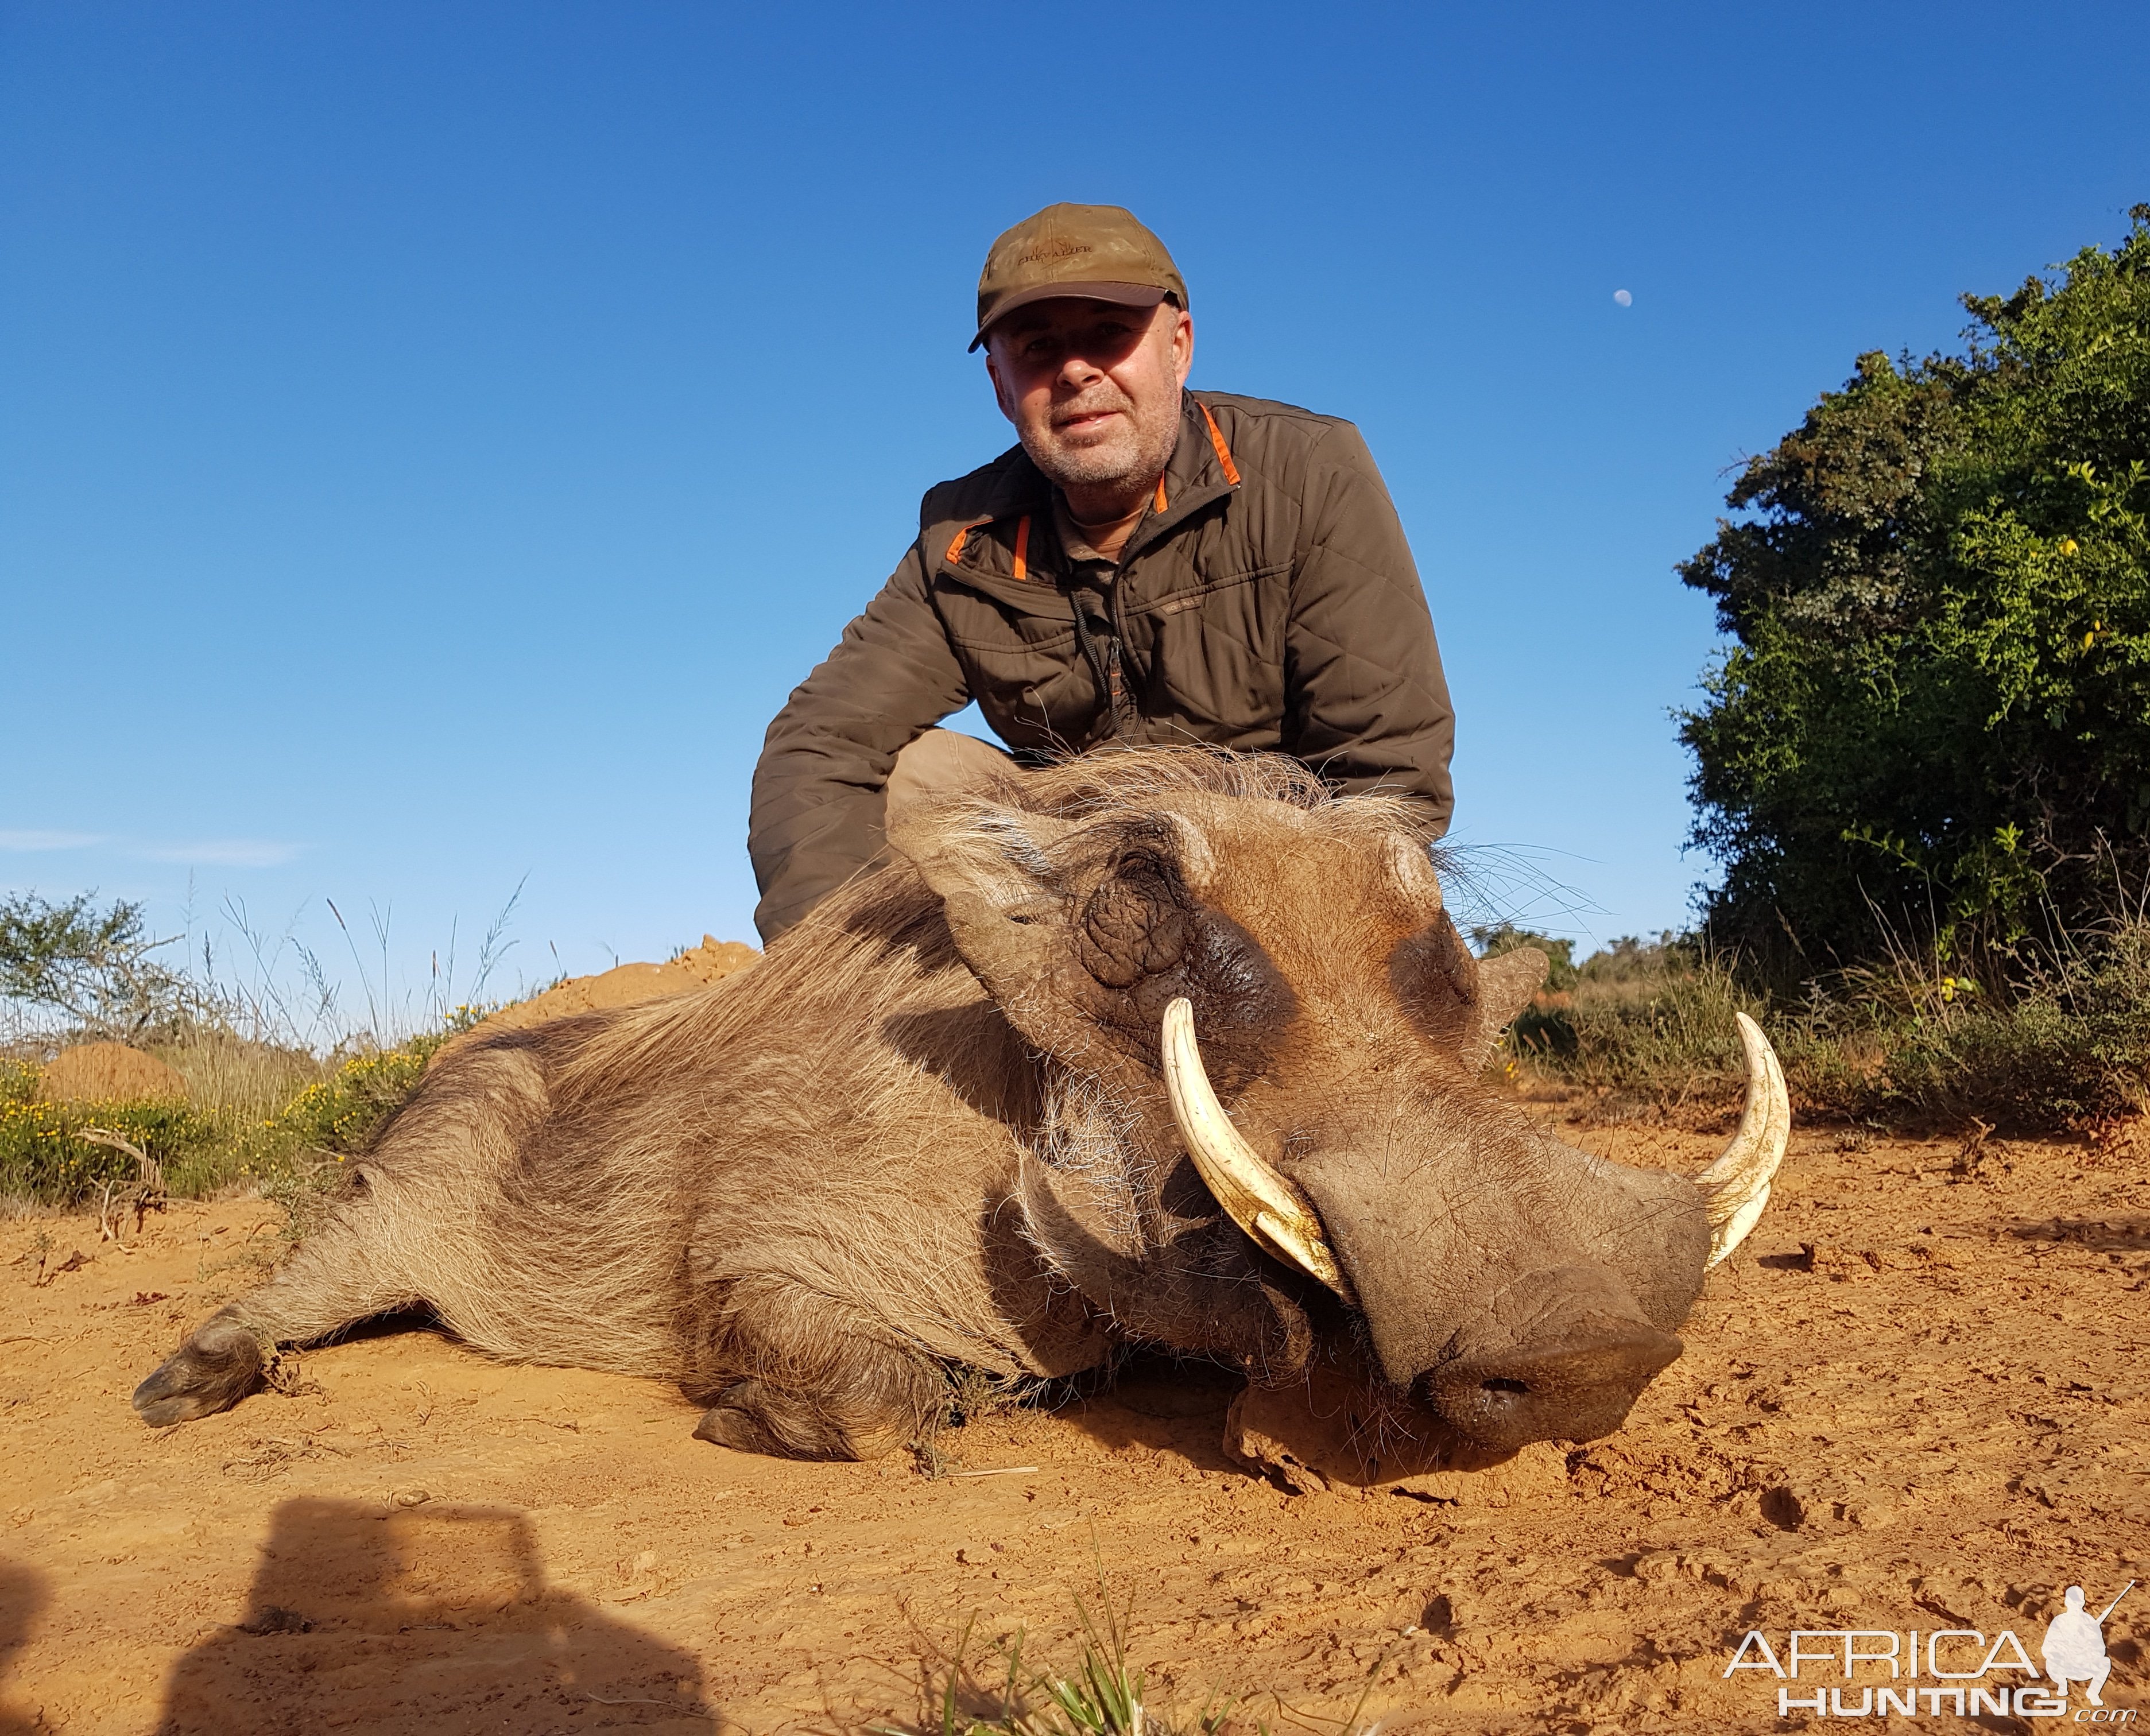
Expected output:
{"points": [[989, 866], [1506, 985], [1436, 979]]}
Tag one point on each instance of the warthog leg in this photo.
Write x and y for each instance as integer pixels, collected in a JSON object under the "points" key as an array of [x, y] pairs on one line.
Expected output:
{"points": [[810, 1382], [213, 1371], [333, 1281]]}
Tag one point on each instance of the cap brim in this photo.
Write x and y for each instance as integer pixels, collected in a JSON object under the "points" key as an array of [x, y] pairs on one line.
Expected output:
{"points": [[1119, 295]]}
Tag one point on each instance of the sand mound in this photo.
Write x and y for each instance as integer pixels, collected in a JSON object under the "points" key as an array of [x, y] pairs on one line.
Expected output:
{"points": [[623, 986], [109, 1072]]}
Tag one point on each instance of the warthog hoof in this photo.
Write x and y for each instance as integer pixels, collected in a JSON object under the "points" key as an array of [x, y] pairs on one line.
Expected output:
{"points": [[736, 1427], [752, 1417], [210, 1372]]}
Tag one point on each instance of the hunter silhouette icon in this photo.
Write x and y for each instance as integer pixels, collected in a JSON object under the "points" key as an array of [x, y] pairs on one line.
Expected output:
{"points": [[2074, 1645]]}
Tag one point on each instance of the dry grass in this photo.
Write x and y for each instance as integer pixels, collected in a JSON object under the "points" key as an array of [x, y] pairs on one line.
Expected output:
{"points": [[1906, 1043], [1002, 1689], [262, 1115], [2064, 1047], [231, 1075], [1641, 1022]]}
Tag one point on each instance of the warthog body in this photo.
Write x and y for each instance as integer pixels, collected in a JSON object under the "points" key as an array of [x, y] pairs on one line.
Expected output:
{"points": [[930, 1129]]}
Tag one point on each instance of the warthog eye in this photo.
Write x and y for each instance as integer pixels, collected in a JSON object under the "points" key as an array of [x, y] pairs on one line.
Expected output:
{"points": [[1144, 938], [1137, 924]]}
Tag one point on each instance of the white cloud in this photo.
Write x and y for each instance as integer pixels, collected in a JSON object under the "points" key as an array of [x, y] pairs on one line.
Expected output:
{"points": [[48, 841], [227, 853]]}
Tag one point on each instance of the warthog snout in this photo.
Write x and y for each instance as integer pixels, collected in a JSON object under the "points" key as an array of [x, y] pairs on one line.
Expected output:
{"points": [[1560, 1355]]}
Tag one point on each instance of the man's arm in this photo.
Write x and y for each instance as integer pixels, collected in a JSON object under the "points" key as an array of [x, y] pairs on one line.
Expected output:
{"points": [[818, 788], [1366, 701]]}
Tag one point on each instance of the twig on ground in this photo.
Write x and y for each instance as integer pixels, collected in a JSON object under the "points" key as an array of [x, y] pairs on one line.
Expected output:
{"points": [[147, 1193]]}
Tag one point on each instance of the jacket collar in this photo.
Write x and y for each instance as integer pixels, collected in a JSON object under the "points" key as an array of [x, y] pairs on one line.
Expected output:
{"points": [[1200, 470]]}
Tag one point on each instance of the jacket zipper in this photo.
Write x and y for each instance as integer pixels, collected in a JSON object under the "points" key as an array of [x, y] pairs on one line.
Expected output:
{"points": [[1117, 654]]}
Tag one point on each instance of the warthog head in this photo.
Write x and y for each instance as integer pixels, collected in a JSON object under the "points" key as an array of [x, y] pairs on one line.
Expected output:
{"points": [[1265, 1121]]}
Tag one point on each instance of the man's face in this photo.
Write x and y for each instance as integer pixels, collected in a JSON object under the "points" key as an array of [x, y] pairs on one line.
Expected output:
{"points": [[1093, 389]]}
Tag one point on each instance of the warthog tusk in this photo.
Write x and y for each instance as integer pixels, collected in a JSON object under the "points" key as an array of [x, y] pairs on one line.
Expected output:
{"points": [[1261, 1202], [1736, 1187]]}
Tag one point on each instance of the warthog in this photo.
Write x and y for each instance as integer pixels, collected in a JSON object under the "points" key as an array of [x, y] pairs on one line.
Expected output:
{"points": [[1163, 1046]]}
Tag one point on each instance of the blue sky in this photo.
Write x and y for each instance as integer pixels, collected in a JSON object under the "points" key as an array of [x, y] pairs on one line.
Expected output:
{"points": [[435, 438]]}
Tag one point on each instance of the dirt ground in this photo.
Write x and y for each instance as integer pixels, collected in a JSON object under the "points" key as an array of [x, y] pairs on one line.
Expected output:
{"points": [[1917, 1400]]}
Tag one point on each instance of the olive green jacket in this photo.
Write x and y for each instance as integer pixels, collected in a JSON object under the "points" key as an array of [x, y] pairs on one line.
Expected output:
{"points": [[1268, 601]]}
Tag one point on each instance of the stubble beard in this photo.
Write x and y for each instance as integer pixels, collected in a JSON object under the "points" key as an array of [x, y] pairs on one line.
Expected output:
{"points": [[1133, 455]]}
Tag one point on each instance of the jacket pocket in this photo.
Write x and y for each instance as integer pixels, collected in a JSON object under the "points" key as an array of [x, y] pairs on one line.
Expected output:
{"points": [[1016, 641], [1002, 619], [1211, 657]]}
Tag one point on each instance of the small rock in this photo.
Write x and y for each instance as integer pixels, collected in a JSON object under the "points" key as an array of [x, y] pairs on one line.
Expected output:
{"points": [[1657, 1567]]}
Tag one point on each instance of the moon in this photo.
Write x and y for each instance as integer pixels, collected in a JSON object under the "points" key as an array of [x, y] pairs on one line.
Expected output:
{"points": [[1623, 298]]}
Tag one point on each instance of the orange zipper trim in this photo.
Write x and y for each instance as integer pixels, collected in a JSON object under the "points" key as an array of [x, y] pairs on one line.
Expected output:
{"points": [[956, 549], [1022, 548], [1224, 451]]}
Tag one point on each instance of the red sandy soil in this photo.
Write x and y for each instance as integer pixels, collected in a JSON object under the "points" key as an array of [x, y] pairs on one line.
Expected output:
{"points": [[106, 1073], [1915, 1399], [622, 986]]}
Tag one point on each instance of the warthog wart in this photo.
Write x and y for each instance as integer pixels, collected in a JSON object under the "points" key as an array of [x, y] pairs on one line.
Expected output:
{"points": [[1159, 1045]]}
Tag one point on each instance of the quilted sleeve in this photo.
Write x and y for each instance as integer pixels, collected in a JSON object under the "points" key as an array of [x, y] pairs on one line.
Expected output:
{"points": [[1366, 703], [818, 787]]}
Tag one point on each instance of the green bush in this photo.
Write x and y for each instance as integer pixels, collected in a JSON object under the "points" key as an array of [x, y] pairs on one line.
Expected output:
{"points": [[339, 1115], [2067, 1048], [1935, 715], [96, 968], [43, 1158]]}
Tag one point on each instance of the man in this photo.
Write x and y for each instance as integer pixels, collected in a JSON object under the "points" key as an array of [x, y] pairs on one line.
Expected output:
{"points": [[1147, 565]]}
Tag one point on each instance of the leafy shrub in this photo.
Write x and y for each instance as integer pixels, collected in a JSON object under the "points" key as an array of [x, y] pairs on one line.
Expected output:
{"points": [[2068, 1047], [95, 968], [44, 1157], [338, 1116], [1935, 712]]}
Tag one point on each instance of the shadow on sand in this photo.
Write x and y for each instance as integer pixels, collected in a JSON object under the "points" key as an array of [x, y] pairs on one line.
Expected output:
{"points": [[1162, 1402], [438, 1620], [22, 1596]]}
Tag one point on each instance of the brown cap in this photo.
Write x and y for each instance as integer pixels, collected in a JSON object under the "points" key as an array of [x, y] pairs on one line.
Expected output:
{"points": [[1099, 252]]}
